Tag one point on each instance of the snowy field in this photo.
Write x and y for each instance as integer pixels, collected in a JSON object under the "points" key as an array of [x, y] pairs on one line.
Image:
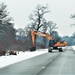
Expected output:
{"points": [[11, 59]]}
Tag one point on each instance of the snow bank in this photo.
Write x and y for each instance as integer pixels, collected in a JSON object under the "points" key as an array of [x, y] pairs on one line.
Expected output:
{"points": [[73, 47], [7, 60], [11, 59]]}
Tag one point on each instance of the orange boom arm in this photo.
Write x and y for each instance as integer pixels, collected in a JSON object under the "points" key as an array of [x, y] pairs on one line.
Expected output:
{"points": [[33, 33]]}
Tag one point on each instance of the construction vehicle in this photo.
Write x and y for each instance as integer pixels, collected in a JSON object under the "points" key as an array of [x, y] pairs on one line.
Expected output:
{"points": [[53, 44]]}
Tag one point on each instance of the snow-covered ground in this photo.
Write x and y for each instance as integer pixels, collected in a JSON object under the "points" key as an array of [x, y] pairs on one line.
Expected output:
{"points": [[11, 59], [73, 47]]}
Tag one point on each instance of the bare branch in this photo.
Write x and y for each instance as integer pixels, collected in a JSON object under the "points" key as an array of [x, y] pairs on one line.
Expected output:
{"points": [[72, 16]]}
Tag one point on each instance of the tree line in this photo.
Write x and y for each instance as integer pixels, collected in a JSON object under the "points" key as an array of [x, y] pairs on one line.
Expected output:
{"points": [[8, 34]]}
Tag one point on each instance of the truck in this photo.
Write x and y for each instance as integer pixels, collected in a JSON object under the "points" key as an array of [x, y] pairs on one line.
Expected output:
{"points": [[53, 44]]}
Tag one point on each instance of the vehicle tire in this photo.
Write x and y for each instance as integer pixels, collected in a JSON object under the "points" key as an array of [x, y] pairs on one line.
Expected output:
{"points": [[49, 50], [60, 49]]}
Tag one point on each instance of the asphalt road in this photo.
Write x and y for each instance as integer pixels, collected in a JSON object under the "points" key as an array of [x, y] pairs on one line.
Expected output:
{"points": [[64, 64], [55, 63]]}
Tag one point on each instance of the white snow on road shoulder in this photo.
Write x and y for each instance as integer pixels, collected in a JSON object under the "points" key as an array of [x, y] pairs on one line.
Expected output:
{"points": [[73, 47], [11, 59]]}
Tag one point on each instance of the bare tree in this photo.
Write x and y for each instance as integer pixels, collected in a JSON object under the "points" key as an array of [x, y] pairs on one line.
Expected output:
{"points": [[19, 31], [55, 35], [38, 16], [39, 23], [72, 17], [28, 28], [74, 34], [44, 30], [51, 27]]}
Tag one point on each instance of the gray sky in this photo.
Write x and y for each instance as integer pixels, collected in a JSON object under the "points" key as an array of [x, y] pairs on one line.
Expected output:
{"points": [[60, 13]]}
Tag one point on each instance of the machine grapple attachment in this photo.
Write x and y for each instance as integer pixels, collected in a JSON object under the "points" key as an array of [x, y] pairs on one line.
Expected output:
{"points": [[33, 48]]}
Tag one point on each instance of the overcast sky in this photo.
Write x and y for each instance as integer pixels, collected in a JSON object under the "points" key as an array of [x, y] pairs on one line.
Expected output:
{"points": [[60, 11]]}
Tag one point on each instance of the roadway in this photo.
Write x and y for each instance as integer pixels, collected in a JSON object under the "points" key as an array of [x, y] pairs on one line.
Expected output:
{"points": [[55, 63]]}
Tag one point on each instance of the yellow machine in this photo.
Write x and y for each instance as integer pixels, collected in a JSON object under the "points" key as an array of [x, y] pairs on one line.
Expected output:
{"points": [[53, 44]]}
